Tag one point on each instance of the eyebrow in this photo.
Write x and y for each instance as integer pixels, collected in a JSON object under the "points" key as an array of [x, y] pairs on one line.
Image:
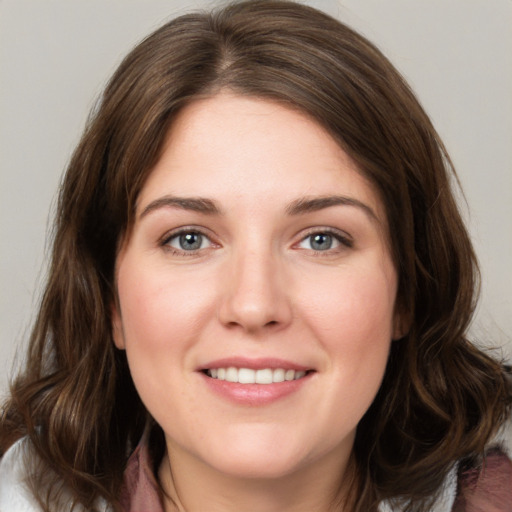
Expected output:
{"points": [[313, 204], [300, 206], [196, 204]]}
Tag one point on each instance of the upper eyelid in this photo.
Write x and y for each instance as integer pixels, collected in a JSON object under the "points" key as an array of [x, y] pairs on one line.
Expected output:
{"points": [[339, 233], [172, 233]]}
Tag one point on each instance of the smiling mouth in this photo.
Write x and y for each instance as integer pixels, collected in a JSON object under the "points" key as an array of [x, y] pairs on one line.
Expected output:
{"points": [[250, 376]]}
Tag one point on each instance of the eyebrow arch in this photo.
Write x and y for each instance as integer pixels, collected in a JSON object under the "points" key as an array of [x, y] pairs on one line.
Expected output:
{"points": [[196, 204], [307, 205]]}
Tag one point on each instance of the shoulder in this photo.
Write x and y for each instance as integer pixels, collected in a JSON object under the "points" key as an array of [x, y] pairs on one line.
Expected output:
{"points": [[14, 493], [16, 467], [503, 439], [488, 486], [485, 487]]}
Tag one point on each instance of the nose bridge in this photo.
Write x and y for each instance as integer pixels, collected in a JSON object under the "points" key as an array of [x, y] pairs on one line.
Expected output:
{"points": [[254, 293]]}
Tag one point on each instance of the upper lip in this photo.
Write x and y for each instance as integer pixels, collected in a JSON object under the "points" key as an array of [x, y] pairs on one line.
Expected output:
{"points": [[254, 364]]}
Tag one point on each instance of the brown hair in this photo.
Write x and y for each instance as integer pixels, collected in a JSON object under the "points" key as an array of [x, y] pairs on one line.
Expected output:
{"points": [[441, 398]]}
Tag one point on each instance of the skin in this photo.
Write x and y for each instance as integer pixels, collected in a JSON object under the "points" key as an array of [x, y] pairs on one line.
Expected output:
{"points": [[257, 287]]}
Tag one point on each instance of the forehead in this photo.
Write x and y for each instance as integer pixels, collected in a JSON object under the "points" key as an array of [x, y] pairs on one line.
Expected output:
{"points": [[230, 147]]}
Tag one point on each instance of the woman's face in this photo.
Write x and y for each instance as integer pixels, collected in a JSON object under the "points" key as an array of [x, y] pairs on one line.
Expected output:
{"points": [[259, 254]]}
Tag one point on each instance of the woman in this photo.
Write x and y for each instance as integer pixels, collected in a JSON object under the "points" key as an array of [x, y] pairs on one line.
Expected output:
{"points": [[260, 289]]}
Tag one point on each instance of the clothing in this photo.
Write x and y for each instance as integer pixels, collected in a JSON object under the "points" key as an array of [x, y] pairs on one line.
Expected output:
{"points": [[464, 491], [14, 494], [468, 493]]}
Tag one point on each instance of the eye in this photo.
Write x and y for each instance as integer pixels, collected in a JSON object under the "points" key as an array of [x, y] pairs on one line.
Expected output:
{"points": [[187, 241], [322, 241]]}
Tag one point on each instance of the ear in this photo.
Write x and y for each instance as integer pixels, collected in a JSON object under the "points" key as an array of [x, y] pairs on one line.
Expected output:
{"points": [[401, 324], [117, 326]]}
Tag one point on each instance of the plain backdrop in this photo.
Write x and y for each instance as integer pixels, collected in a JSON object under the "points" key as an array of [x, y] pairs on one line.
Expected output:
{"points": [[56, 55]]}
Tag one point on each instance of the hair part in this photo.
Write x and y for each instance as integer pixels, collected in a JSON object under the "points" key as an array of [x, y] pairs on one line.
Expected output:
{"points": [[441, 398]]}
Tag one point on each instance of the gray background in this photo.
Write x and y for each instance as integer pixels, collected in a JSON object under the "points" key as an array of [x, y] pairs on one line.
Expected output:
{"points": [[55, 56]]}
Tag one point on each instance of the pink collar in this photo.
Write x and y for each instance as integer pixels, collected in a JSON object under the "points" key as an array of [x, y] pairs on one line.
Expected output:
{"points": [[141, 491], [477, 489]]}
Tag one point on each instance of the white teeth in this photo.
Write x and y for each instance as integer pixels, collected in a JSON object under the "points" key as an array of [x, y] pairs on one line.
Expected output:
{"points": [[278, 375], [232, 374], [246, 376], [264, 376], [249, 376]]}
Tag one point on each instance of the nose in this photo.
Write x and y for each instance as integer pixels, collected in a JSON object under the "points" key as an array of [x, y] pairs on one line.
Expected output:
{"points": [[255, 295]]}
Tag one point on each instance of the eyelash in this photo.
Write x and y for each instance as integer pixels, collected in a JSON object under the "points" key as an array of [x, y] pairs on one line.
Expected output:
{"points": [[342, 238], [168, 237]]}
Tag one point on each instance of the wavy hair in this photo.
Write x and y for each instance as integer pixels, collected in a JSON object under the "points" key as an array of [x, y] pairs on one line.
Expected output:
{"points": [[441, 398]]}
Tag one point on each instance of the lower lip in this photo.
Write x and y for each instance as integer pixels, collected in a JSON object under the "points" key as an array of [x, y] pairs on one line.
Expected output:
{"points": [[254, 394]]}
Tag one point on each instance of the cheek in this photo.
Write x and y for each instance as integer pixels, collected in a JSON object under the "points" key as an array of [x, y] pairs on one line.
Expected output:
{"points": [[159, 309], [356, 305], [162, 317], [353, 320]]}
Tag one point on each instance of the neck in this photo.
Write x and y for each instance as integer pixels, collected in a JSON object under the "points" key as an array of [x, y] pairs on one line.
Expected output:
{"points": [[192, 486]]}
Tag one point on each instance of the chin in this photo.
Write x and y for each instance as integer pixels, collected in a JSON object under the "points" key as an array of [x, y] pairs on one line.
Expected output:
{"points": [[259, 467], [259, 456]]}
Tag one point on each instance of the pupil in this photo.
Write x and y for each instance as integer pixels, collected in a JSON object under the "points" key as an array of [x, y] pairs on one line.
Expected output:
{"points": [[321, 242], [191, 241]]}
